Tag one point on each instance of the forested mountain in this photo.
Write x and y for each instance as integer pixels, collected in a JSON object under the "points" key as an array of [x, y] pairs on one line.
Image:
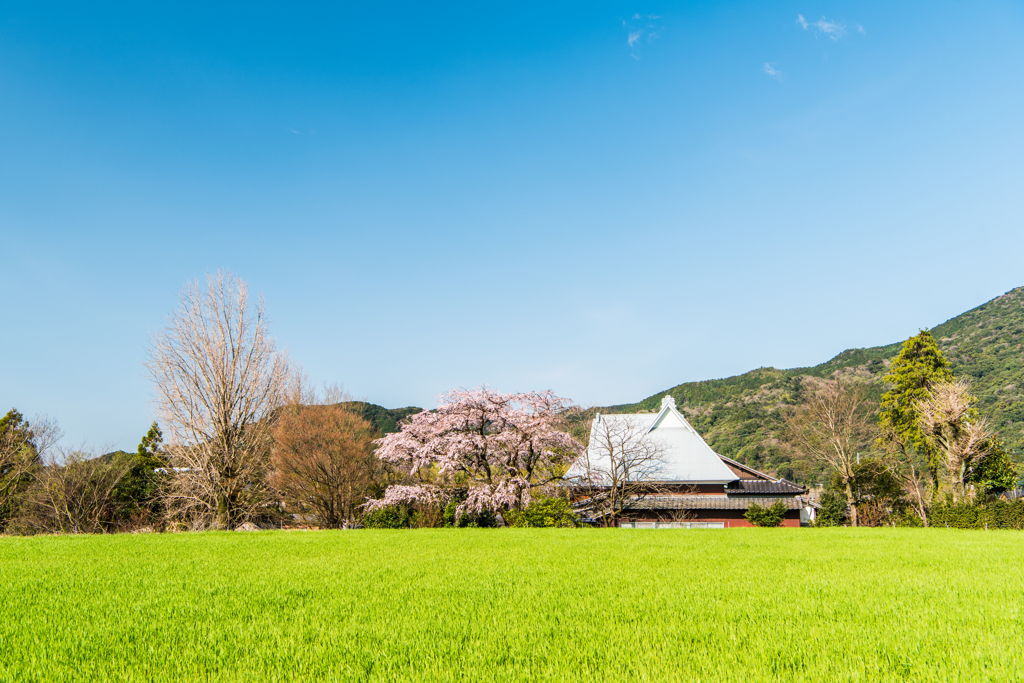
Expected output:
{"points": [[385, 420], [740, 416]]}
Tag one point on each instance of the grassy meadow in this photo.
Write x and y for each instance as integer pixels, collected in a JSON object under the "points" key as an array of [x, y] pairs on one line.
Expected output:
{"points": [[515, 605]]}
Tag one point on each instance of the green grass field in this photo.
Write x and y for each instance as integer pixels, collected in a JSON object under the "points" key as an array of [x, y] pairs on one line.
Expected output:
{"points": [[516, 604]]}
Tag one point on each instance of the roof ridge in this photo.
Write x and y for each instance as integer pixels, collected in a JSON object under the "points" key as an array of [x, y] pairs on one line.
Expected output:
{"points": [[747, 468]]}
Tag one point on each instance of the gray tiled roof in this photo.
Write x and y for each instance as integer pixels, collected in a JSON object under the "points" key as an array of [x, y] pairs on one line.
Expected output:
{"points": [[710, 502], [761, 487]]}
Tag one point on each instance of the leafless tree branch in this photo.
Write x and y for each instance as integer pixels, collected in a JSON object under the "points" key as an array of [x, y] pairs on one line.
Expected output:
{"points": [[831, 427], [621, 466], [219, 381], [948, 421]]}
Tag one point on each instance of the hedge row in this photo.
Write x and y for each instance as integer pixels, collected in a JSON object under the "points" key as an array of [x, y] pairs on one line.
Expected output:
{"points": [[998, 514]]}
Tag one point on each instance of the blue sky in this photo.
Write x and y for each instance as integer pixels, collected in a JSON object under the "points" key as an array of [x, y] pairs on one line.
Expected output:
{"points": [[603, 199]]}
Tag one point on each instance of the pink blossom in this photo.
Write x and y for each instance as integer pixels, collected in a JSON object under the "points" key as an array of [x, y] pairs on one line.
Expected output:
{"points": [[500, 447]]}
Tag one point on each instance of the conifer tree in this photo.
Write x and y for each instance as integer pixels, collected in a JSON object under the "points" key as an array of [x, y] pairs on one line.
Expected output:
{"points": [[150, 447], [18, 457], [918, 367]]}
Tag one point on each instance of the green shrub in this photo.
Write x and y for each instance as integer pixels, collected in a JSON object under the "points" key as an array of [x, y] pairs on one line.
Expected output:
{"points": [[998, 514], [759, 515], [136, 500], [545, 512], [482, 520], [995, 473], [832, 511], [907, 519], [393, 517]]}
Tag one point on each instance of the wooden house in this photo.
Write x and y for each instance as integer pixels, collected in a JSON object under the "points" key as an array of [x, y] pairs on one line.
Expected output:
{"points": [[665, 475]]}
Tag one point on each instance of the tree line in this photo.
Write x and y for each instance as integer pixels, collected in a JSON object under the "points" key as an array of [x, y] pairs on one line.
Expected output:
{"points": [[244, 438], [924, 451]]}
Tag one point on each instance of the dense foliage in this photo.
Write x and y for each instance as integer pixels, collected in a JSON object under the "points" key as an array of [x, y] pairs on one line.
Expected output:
{"points": [[918, 367], [771, 515], [384, 420], [832, 509], [546, 512], [390, 517], [19, 458], [996, 473], [995, 514]]}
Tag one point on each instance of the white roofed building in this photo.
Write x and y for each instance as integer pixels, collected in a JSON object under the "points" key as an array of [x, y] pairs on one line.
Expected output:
{"points": [[655, 470]]}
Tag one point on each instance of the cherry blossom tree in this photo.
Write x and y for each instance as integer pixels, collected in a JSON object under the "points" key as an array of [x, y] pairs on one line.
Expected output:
{"points": [[497, 447]]}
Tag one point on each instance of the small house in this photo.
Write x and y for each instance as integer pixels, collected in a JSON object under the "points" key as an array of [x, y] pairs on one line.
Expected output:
{"points": [[655, 471]]}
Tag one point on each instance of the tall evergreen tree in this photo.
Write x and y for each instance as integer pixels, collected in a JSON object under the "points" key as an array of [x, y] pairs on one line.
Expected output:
{"points": [[136, 496], [919, 366], [21, 447], [150, 447]]}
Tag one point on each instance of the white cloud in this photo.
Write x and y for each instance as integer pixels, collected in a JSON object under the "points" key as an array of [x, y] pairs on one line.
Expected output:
{"points": [[639, 29], [772, 71], [833, 29]]}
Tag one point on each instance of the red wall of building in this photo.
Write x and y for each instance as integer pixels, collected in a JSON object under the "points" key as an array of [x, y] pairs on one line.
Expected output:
{"points": [[732, 518]]}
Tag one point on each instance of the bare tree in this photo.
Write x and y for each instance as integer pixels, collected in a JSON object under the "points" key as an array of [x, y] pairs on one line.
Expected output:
{"points": [[831, 427], [620, 467], [73, 492], [915, 482], [323, 459], [23, 445], [949, 423], [219, 381]]}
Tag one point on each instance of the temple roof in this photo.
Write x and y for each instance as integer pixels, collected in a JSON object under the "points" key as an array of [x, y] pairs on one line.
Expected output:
{"points": [[684, 457]]}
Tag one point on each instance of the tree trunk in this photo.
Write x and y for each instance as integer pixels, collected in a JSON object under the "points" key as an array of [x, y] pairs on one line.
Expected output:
{"points": [[921, 510], [223, 516], [851, 501]]}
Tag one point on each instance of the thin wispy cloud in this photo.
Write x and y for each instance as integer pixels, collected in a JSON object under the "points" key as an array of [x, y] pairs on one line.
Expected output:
{"points": [[640, 28], [772, 71], [832, 29]]}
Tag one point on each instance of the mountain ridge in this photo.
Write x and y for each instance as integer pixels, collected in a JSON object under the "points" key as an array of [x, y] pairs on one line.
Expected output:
{"points": [[740, 415]]}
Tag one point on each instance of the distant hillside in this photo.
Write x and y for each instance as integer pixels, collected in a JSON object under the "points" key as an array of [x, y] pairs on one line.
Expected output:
{"points": [[386, 420], [740, 418], [109, 457]]}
